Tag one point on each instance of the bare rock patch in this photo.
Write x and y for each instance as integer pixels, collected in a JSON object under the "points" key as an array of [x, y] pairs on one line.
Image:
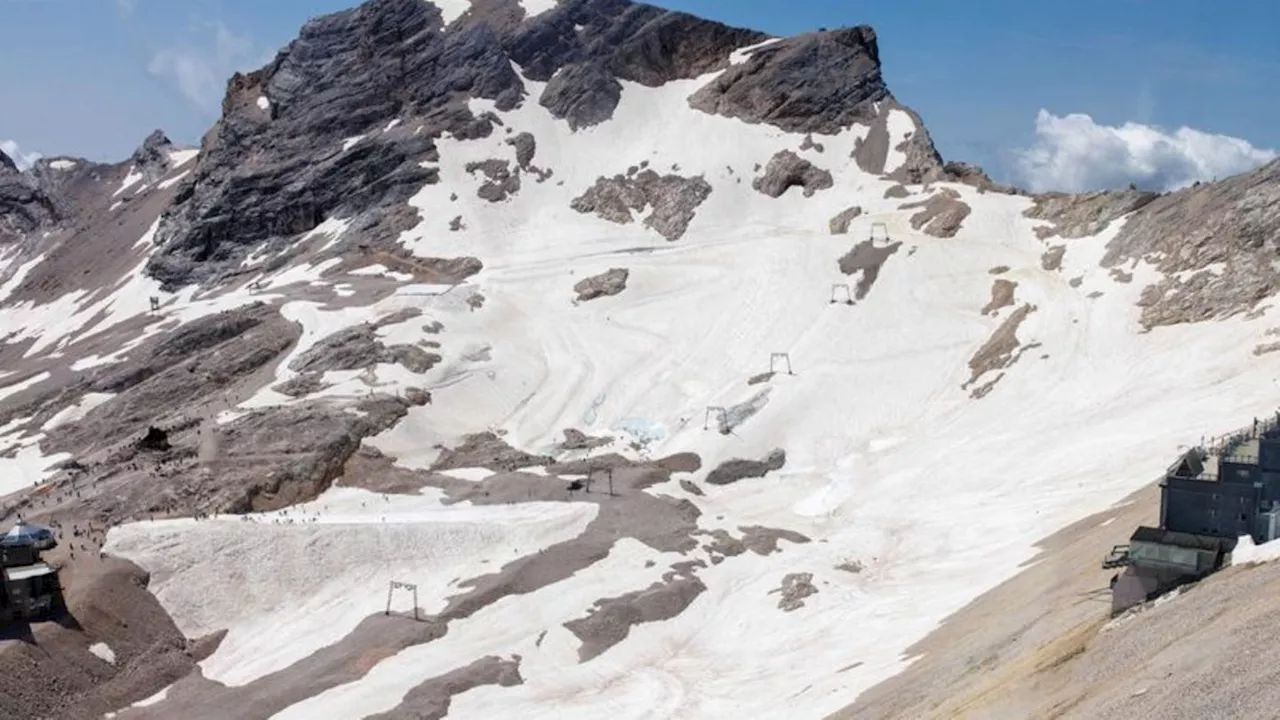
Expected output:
{"points": [[500, 182], [839, 225], [866, 258], [1052, 258], [731, 471], [795, 588], [608, 283], [674, 200], [941, 215], [787, 170], [430, 699], [1000, 351], [1001, 296]]}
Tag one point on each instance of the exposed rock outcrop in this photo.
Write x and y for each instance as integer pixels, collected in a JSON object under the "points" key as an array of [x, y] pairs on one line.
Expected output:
{"points": [[23, 205], [1075, 216], [500, 182], [819, 82], [731, 471], [151, 160], [1233, 225], [357, 348], [974, 176], [795, 588], [584, 94], [839, 225], [941, 215], [263, 176], [610, 282], [787, 170], [674, 199]]}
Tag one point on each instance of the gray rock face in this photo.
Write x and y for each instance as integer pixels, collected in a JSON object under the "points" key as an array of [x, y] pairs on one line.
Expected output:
{"points": [[974, 176], [1233, 222], [605, 284], [264, 175], [23, 205], [152, 158], [674, 199], [1086, 214], [922, 163], [787, 170], [625, 40], [820, 82], [584, 94], [839, 224]]}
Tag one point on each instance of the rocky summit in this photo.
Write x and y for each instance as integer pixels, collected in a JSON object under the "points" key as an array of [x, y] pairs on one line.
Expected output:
{"points": [[492, 358]]}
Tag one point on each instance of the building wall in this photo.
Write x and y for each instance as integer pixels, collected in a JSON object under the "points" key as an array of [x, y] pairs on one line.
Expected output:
{"points": [[1207, 508]]}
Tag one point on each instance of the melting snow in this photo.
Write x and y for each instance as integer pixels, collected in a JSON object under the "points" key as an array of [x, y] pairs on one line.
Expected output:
{"points": [[350, 142]]}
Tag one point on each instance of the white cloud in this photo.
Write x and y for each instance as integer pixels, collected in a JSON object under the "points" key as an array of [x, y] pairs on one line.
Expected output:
{"points": [[22, 159], [1073, 153], [201, 69]]}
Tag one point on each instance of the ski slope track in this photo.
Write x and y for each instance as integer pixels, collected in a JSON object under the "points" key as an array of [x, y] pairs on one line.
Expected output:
{"points": [[917, 475]]}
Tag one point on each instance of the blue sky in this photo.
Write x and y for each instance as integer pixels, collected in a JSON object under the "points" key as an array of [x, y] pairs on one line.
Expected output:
{"points": [[93, 77]]}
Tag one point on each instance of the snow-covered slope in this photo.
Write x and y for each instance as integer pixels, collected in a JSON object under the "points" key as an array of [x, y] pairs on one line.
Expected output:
{"points": [[972, 398]]}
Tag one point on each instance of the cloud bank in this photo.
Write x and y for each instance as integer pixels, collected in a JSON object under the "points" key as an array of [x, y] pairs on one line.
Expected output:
{"points": [[1073, 153], [22, 159], [200, 70]]}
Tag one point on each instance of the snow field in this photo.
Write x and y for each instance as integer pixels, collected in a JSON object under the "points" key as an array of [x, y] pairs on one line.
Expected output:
{"points": [[303, 579]]}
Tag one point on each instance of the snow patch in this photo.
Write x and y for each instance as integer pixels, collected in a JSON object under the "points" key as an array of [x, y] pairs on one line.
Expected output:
{"points": [[451, 9], [263, 103], [178, 158], [743, 54], [73, 413], [104, 652], [899, 125], [298, 567], [534, 8], [62, 164], [166, 184], [133, 178]]}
